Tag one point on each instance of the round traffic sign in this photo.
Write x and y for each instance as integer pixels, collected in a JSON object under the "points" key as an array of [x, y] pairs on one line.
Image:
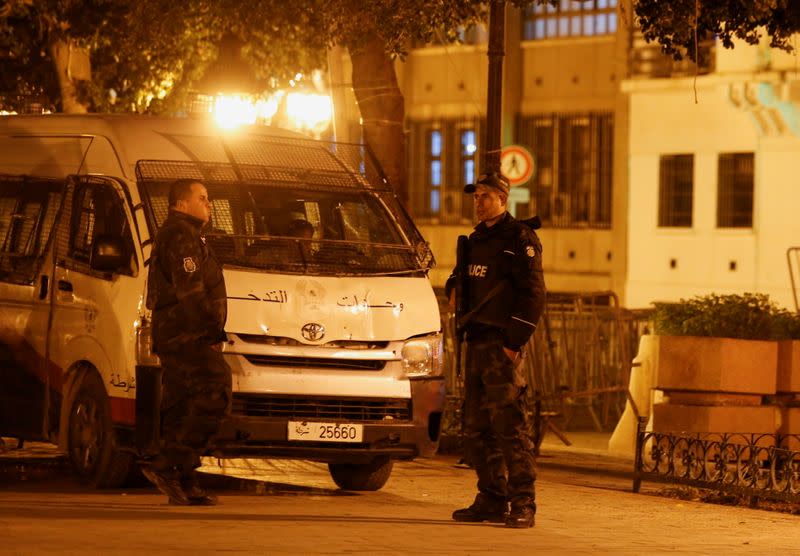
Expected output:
{"points": [[516, 164]]}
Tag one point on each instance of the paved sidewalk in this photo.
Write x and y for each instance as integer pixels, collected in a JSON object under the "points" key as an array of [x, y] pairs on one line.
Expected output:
{"points": [[296, 509], [587, 454]]}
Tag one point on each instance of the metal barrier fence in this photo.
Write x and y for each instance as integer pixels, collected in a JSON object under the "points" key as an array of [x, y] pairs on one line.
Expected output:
{"points": [[578, 360], [756, 465]]}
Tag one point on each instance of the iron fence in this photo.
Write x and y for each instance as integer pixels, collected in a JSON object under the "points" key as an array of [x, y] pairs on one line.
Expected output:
{"points": [[755, 465], [577, 362]]}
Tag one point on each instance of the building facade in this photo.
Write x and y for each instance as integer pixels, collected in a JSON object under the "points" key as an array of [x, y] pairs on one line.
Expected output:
{"points": [[655, 179], [714, 168], [562, 101]]}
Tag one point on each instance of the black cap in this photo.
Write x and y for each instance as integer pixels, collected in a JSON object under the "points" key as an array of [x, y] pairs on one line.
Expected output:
{"points": [[492, 179]]}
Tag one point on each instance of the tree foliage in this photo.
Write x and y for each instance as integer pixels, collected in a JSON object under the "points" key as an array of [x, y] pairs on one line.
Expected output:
{"points": [[147, 55], [399, 23], [676, 23], [29, 27]]}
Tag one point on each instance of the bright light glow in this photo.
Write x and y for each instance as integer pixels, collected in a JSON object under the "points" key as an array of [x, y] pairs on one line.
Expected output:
{"points": [[6, 113], [232, 111], [309, 111], [471, 148], [268, 107]]}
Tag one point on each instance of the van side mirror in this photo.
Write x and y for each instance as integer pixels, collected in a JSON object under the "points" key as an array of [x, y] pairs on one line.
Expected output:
{"points": [[108, 254]]}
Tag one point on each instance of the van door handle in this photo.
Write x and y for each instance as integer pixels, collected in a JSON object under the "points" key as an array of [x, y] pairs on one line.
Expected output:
{"points": [[44, 283], [64, 286]]}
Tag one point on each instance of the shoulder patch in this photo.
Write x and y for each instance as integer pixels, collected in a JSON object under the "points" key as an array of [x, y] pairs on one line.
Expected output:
{"points": [[530, 251], [189, 265]]}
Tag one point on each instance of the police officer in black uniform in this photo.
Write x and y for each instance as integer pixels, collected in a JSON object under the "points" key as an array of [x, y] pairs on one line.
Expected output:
{"points": [[505, 298], [186, 293]]}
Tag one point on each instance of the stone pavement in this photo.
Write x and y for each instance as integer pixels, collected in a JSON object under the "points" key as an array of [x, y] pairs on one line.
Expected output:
{"points": [[588, 454], [294, 508]]}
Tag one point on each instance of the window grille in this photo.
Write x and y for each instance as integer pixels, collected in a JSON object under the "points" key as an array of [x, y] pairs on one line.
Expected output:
{"points": [[569, 18], [93, 208], [573, 156], [28, 211], [443, 157], [676, 188], [735, 190]]}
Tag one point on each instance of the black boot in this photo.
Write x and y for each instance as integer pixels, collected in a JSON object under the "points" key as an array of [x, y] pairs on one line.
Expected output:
{"points": [[521, 517], [482, 509], [168, 483], [197, 496]]}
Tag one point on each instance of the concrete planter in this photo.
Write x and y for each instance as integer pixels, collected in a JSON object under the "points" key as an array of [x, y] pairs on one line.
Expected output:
{"points": [[691, 363], [789, 366], [672, 418]]}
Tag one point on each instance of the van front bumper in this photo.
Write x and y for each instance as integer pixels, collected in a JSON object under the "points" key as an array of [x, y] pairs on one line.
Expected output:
{"points": [[246, 436]]}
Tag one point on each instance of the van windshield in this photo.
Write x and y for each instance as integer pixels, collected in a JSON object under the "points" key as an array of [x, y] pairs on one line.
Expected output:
{"points": [[303, 230]]}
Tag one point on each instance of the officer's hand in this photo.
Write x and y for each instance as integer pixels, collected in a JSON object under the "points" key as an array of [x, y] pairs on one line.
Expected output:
{"points": [[513, 355], [452, 301]]}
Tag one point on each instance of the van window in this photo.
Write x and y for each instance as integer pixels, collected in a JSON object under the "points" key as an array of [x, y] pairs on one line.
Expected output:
{"points": [[300, 229], [28, 210], [97, 210]]}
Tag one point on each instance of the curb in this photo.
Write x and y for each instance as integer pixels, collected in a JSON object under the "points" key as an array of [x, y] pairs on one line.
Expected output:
{"points": [[15, 468], [33, 469]]}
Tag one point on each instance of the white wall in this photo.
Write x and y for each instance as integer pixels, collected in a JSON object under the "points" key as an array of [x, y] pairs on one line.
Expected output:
{"points": [[728, 118]]}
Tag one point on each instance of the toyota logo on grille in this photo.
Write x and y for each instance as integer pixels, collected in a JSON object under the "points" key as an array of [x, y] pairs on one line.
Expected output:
{"points": [[313, 331]]}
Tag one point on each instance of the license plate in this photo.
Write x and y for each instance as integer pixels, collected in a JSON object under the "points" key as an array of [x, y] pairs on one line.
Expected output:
{"points": [[308, 431]]}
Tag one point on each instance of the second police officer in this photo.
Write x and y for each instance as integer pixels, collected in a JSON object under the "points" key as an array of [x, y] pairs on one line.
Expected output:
{"points": [[505, 298], [186, 292]]}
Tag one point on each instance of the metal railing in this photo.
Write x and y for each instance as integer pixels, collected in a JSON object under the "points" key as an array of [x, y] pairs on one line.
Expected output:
{"points": [[578, 360], [755, 465]]}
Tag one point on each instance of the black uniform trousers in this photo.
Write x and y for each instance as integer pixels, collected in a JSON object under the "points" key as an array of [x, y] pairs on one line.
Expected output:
{"points": [[497, 430], [195, 398]]}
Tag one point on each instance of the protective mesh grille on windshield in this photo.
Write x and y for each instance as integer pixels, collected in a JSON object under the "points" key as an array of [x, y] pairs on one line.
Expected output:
{"points": [[296, 206], [259, 158]]}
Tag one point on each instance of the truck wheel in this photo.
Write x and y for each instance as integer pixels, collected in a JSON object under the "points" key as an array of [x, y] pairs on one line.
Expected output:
{"points": [[91, 440], [366, 476]]}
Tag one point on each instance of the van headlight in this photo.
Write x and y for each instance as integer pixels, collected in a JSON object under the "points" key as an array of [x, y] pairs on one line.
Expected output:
{"points": [[423, 356], [144, 343]]}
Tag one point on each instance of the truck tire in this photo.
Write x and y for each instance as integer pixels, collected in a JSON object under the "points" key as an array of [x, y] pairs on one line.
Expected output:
{"points": [[91, 440], [366, 476]]}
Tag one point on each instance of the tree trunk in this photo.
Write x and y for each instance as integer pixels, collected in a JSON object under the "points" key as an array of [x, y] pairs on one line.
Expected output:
{"points": [[72, 65], [382, 109]]}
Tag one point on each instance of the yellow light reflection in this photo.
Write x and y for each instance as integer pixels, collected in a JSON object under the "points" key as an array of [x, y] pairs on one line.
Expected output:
{"points": [[309, 111], [267, 108], [232, 111]]}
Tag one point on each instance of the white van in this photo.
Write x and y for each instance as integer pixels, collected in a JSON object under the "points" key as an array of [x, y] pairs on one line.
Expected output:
{"points": [[333, 338]]}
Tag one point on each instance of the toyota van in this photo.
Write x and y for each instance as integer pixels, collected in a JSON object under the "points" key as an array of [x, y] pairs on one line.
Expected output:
{"points": [[333, 334]]}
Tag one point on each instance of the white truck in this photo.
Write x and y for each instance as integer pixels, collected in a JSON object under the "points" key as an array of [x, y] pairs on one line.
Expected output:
{"points": [[333, 337]]}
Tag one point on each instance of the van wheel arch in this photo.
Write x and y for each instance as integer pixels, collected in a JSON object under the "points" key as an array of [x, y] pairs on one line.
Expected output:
{"points": [[89, 436]]}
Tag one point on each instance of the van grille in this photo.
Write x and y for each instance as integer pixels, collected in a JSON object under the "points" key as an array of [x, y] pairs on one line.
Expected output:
{"points": [[259, 405], [316, 362]]}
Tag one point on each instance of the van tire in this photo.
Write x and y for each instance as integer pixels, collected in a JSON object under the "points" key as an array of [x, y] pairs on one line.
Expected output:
{"points": [[361, 476], [91, 439]]}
